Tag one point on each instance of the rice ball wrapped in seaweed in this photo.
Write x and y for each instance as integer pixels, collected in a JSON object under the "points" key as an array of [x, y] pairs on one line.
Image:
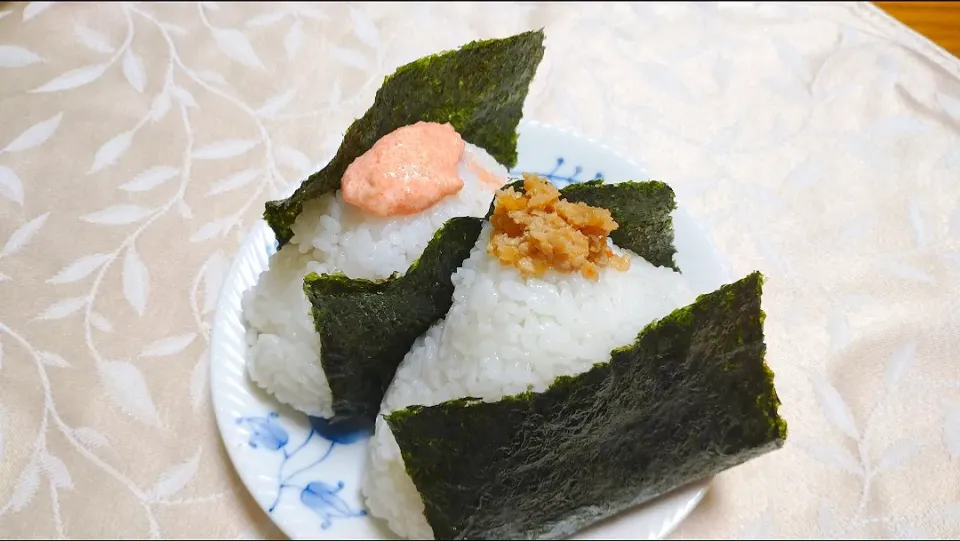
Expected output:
{"points": [[512, 419], [446, 123]]}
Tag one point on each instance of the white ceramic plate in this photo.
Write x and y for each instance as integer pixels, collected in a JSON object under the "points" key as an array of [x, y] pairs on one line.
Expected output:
{"points": [[307, 479]]}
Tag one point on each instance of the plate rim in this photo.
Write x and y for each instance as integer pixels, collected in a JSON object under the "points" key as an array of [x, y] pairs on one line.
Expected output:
{"points": [[223, 312]]}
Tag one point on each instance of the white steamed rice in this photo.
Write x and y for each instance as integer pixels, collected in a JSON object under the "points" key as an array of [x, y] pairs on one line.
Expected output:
{"points": [[505, 335], [329, 236]]}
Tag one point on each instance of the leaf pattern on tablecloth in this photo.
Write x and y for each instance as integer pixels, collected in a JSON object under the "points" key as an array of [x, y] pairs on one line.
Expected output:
{"points": [[818, 143]]}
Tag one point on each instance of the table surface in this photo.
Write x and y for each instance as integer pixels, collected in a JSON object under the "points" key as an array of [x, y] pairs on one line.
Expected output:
{"points": [[816, 142], [939, 21]]}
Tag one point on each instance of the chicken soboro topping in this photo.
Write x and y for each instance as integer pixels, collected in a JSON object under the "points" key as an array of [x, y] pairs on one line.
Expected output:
{"points": [[536, 231]]}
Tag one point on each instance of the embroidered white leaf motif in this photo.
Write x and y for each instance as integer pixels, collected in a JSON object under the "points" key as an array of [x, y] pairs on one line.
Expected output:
{"points": [[906, 272], [22, 235], [90, 437], [234, 181], [236, 46], [951, 430], [721, 73], [35, 135], [2, 422], [79, 269], [664, 78], [832, 455], [897, 126], [174, 29], [133, 70], [184, 210], [838, 328], [225, 149], [826, 520], [25, 488], [92, 39], [4, 14], [99, 322], [160, 106], [52, 359], [198, 382], [56, 471], [3, 277], [909, 531], [868, 153], [803, 175], [350, 57], [62, 309], [859, 226], [183, 97], [294, 159], [898, 453], [277, 103], [128, 389], [150, 179], [761, 527], [136, 280], [74, 78], [212, 77], [177, 477], [726, 138], [13, 56], [267, 19], [293, 40], [36, 8], [11, 187], [310, 12], [898, 364], [212, 6], [214, 271], [919, 229], [211, 229], [336, 94], [111, 151], [950, 104], [331, 143], [117, 215], [833, 406], [168, 346], [364, 28], [250, 534], [794, 60]]}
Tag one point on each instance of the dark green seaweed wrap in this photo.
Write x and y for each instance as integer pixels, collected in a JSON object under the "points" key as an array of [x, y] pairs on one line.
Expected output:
{"points": [[479, 89], [641, 210], [689, 399], [367, 326]]}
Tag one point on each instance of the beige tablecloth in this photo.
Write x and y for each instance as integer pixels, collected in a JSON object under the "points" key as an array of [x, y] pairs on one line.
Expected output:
{"points": [[138, 142]]}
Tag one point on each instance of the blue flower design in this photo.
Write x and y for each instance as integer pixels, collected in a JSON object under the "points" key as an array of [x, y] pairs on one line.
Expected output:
{"points": [[560, 179], [265, 432], [322, 498]]}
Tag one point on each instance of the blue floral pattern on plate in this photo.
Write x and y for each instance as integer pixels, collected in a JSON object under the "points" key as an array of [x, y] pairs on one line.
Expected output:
{"points": [[559, 179], [321, 497]]}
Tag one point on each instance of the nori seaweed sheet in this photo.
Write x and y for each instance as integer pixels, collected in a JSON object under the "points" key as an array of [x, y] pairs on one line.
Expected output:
{"points": [[690, 398], [367, 326], [479, 89], [640, 208]]}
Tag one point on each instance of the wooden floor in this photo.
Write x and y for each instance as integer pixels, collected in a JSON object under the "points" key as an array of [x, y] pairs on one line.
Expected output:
{"points": [[939, 21]]}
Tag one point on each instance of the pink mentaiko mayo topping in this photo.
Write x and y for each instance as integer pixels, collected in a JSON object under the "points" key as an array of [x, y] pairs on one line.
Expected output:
{"points": [[406, 171], [489, 180]]}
